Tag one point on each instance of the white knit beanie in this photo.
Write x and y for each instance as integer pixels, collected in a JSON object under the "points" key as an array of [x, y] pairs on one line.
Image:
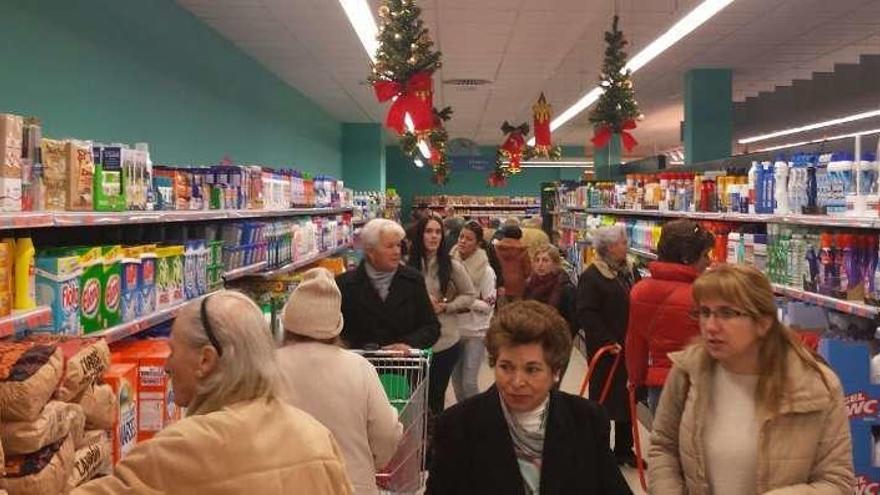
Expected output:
{"points": [[314, 308]]}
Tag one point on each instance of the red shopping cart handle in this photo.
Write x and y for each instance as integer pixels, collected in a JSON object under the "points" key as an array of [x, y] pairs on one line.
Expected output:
{"points": [[614, 349]]}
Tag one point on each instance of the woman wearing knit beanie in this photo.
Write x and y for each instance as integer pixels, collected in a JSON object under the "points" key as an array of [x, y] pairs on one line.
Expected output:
{"points": [[339, 388]]}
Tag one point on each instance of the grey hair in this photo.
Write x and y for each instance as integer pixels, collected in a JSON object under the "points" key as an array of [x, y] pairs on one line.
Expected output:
{"points": [[247, 369], [372, 232], [605, 236], [511, 222]]}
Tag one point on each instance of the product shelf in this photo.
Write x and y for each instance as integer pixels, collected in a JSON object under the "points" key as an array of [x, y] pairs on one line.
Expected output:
{"points": [[24, 220], [643, 254], [358, 223], [817, 220], [490, 207], [20, 321], [849, 307], [296, 265], [129, 328], [244, 271]]}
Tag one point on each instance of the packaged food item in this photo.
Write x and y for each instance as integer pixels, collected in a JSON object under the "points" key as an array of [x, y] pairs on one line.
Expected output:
{"points": [[130, 286], [29, 373], [169, 275], [11, 140], [25, 281], [55, 422], [58, 286], [89, 461], [44, 472], [81, 176], [156, 407], [91, 262], [85, 361], [54, 157], [99, 405], [111, 285], [109, 194], [122, 377]]}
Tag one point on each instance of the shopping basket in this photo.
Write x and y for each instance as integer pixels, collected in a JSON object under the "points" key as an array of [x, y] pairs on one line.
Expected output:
{"points": [[615, 350], [404, 375]]}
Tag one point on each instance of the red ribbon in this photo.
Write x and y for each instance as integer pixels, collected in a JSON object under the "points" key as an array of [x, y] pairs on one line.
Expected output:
{"points": [[435, 157], [603, 135], [413, 98]]}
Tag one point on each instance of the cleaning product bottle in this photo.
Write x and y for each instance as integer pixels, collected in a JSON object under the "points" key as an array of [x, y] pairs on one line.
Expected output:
{"points": [[25, 281], [780, 193], [753, 181]]}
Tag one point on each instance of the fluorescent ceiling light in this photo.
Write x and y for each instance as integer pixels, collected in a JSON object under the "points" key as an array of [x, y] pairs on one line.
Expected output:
{"points": [[810, 127], [424, 148], [361, 18], [814, 141], [673, 35]]}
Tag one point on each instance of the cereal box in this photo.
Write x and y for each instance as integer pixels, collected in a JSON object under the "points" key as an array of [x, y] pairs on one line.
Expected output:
{"points": [[109, 195], [123, 378], [58, 278], [111, 285], [91, 261], [54, 156], [81, 176], [156, 407]]}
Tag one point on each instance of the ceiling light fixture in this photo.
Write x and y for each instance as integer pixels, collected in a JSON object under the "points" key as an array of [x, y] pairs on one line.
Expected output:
{"points": [[673, 35], [814, 141], [419, 163], [810, 127], [361, 18]]}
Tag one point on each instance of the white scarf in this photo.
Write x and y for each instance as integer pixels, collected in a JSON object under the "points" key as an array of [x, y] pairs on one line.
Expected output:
{"points": [[476, 264]]}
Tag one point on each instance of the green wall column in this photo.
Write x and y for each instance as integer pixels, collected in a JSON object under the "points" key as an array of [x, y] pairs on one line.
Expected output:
{"points": [[708, 114], [607, 157], [363, 157]]}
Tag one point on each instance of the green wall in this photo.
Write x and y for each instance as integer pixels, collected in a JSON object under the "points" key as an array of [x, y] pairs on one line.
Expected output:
{"points": [[363, 156], [409, 180], [708, 114], [147, 70]]}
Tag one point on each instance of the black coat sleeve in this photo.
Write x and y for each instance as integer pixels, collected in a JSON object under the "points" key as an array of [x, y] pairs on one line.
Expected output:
{"points": [[568, 307], [427, 326], [589, 311], [445, 471], [612, 479]]}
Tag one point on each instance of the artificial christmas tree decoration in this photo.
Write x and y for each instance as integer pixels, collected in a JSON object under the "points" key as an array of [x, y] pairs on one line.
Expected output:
{"points": [[616, 110]]}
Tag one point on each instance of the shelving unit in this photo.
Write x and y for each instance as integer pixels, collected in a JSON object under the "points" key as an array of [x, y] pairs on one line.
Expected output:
{"points": [[301, 263], [20, 321], [643, 254], [244, 271], [849, 307], [138, 325], [817, 220], [87, 218]]}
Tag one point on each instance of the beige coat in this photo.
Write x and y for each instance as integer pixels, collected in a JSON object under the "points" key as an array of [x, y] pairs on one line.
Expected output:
{"points": [[803, 450], [256, 447], [342, 390]]}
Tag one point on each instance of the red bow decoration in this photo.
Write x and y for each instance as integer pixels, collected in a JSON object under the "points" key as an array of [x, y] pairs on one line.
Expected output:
{"points": [[497, 179], [603, 135], [413, 98], [435, 157], [541, 117]]}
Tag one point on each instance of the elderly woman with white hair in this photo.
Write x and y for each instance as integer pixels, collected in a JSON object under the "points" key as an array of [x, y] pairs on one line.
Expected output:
{"points": [[603, 313], [384, 303], [238, 437]]}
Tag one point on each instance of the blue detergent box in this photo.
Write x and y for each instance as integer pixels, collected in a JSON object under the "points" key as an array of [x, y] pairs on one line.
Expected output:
{"points": [[131, 290], [58, 286]]}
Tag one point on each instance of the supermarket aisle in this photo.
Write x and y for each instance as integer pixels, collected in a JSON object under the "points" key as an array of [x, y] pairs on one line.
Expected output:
{"points": [[570, 383]]}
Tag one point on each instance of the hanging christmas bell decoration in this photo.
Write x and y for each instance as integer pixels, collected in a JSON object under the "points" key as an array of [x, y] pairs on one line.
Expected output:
{"points": [[512, 149], [414, 97], [541, 122]]}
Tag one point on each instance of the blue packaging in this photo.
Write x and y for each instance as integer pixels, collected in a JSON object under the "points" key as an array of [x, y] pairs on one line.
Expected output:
{"points": [[131, 293], [58, 286]]}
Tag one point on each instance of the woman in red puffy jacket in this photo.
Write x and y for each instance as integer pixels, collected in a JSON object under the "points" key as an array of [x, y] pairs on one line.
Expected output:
{"points": [[659, 308]]}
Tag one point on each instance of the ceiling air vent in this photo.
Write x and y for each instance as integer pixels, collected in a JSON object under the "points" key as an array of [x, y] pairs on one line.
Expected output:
{"points": [[467, 83]]}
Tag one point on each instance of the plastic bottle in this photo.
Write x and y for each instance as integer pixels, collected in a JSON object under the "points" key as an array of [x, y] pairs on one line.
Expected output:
{"points": [[780, 194], [753, 184], [25, 282]]}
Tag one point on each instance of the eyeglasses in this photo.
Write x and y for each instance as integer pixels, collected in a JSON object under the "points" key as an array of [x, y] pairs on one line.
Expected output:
{"points": [[723, 313], [209, 331]]}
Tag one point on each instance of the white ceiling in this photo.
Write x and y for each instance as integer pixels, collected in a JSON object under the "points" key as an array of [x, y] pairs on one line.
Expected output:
{"points": [[554, 46]]}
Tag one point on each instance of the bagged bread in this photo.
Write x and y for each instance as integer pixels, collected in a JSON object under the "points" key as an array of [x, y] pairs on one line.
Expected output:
{"points": [[29, 373], [44, 472], [85, 362], [99, 405], [56, 421], [89, 461]]}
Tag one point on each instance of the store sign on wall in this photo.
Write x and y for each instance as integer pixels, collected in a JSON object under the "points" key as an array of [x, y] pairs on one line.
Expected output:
{"points": [[465, 155]]}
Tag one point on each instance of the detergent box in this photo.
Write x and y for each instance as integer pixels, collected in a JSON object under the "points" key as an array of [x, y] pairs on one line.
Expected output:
{"points": [[91, 289], [58, 278], [156, 407], [111, 286], [122, 377]]}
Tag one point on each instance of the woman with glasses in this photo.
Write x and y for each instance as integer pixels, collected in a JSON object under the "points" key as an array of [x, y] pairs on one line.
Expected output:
{"points": [[659, 305], [748, 409], [238, 437]]}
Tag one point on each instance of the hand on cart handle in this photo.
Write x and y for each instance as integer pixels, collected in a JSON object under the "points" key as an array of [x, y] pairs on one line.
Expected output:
{"points": [[613, 349], [398, 347]]}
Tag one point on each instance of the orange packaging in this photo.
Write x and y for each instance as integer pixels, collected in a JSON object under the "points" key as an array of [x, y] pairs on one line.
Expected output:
{"points": [[156, 408], [123, 378]]}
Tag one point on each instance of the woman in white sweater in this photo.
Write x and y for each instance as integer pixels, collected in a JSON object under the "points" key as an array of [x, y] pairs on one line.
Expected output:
{"points": [[472, 324], [339, 388], [451, 292]]}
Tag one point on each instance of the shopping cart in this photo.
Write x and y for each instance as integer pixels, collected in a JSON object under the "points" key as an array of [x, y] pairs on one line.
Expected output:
{"points": [[615, 350], [404, 375]]}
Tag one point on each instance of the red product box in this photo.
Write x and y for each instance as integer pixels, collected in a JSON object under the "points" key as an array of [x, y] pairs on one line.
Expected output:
{"points": [[123, 378], [157, 409]]}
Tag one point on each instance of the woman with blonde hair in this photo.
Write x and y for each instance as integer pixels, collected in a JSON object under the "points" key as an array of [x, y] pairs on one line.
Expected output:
{"points": [[748, 409], [238, 437], [550, 284]]}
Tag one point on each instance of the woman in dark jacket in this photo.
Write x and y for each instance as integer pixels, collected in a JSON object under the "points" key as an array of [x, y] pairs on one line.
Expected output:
{"points": [[550, 285], [522, 437], [603, 311]]}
